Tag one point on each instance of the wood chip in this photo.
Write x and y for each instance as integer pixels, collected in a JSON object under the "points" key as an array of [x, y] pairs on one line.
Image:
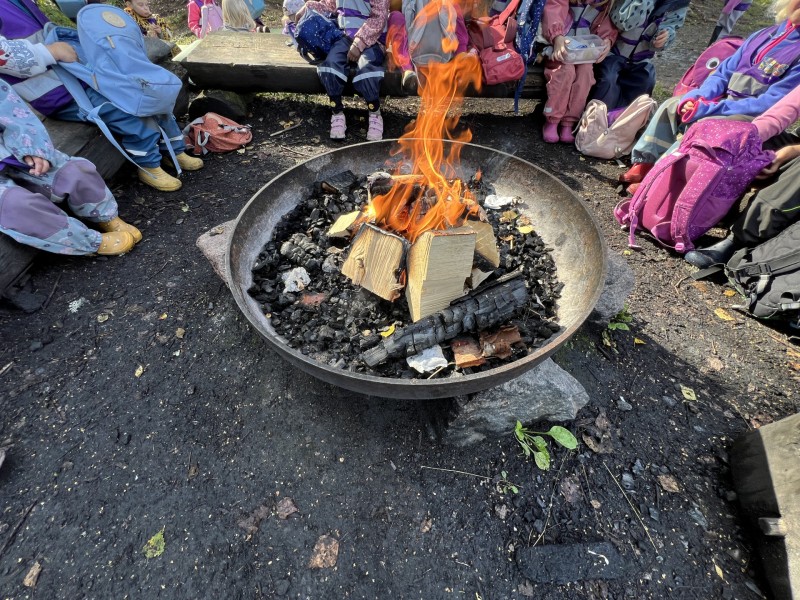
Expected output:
{"points": [[467, 352], [669, 484], [33, 575], [325, 553]]}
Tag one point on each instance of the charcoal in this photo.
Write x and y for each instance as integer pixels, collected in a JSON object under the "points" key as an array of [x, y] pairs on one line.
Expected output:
{"points": [[341, 183]]}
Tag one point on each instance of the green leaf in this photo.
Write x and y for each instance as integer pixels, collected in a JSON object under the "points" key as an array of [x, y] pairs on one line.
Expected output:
{"points": [[503, 474], [542, 460], [514, 489], [621, 326], [563, 437], [540, 443], [154, 546], [526, 449]]}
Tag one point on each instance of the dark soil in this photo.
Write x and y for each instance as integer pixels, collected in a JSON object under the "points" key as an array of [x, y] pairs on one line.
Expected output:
{"points": [[153, 407]]}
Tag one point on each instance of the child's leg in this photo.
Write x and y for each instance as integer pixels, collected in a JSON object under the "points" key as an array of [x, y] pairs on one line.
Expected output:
{"points": [[397, 42], [637, 79], [368, 77], [660, 133], [607, 87], [33, 220], [174, 134], [578, 93], [560, 78], [333, 72]]}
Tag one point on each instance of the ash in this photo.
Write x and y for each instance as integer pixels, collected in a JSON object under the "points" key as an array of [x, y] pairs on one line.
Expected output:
{"points": [[335, 322]]}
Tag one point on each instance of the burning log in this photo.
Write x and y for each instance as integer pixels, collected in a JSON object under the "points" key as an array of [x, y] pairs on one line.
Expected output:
{"points": [[343, 226], [439, 263], [485, 244], [376, 261], [489, 308]]}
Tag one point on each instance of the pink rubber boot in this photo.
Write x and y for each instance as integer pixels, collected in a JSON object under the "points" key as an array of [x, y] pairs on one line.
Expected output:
{"points": [[550, 132]]}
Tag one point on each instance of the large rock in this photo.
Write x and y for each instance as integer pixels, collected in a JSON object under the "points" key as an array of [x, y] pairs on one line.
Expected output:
{"points": [[620, 280], [546, 392], [226, 103], [214, 244]]}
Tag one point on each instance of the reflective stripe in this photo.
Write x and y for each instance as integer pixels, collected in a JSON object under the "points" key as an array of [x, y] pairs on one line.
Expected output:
{"points": [[746, 85], [331, 71], [654, 140], [135, 152], [369, 75]]}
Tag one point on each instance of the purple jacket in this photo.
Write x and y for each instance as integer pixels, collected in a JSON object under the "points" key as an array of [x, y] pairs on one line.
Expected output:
{"points": [[739, 86], [24, 60]]}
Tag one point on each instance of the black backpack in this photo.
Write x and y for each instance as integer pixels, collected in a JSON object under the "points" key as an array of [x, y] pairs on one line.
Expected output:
{"points": [[768, 276]]}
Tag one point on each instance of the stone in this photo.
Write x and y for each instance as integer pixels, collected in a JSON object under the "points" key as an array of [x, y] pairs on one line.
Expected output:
{"points": [[566, 563], [223, 102], [214, 245], [546, 392], [157, 49], [620, 280]]}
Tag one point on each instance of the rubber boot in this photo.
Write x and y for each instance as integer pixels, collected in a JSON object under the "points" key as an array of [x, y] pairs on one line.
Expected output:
{"points": [[158, 178], [565, 134], [115, 243], [189, 163], [550, 133], [719, 253], [636, 173], [117, 224]]}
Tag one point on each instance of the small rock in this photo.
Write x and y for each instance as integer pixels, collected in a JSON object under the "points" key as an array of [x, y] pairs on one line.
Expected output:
{"points": [[638, 468], [654, 514], [36, 345], [623, 405], [731, 496], [670, 401], [627, 482], [281, 587], [698, 516], [501, 510]]}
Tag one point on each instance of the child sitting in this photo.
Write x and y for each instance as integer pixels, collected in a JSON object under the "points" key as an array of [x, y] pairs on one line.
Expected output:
{"points": [[149, 22], [364, 25], [33, 175], [568, 85], [289, 18], [236, 17], [646, 27], [205, 16]]}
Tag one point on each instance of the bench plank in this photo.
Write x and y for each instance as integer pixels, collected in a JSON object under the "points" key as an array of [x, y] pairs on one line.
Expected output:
{"points": [[247, 62]]}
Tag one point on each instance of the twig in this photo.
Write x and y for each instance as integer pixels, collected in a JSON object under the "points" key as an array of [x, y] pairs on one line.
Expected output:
{"points": [[681, 280], [6, 368], [437, 371], [552, 496], [784, 342], [455, 471], [13, 534], [633, 508], [304, 154], [53, 291], [285, 129]]}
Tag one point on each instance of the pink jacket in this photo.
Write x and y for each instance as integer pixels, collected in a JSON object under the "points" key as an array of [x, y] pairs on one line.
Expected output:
{"points": [[373, 27], [780, 116], [557, 20], [193, 11]]}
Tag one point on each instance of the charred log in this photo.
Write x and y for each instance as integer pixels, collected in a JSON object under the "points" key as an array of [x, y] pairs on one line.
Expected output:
{"points": [[299, 249]]}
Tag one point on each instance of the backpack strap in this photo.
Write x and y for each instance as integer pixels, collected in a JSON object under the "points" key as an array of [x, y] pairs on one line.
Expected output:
{"points": [[707, 176]]}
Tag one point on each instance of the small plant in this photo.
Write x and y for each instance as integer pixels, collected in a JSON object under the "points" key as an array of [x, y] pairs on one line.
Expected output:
{"points": [[621, 320], [504, 485], [533, 444]]}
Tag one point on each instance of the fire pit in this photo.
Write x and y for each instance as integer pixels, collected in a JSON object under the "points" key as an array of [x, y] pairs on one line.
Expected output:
{"points": [[561, 220]]}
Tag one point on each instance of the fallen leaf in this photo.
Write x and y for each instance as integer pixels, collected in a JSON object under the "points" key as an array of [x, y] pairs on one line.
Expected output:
{"points": [[184, 207], [325, 553], [602, 446], [669, 484], [525, 229], [180, 332], [102, 318], [33, 575], [523, 220], [426, 525], [194, 469], [795, 366], [388, 331], [638, 341], [595, 504], [285, 508], [508, 216], [688, 393], [162, 317], [627, 252], [570, 488], [139, 370], [155, 545], [719, 572], [701, 286], [251, 522], [723, 314], [729, 293], [526, 589]]}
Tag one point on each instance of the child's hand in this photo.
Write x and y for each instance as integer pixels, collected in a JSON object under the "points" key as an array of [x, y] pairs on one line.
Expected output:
{"points": [[63, 52], [355, 51], [687, 107], [782, 156], [661, 39], [560, 48], [39, 166], [606, 50]]}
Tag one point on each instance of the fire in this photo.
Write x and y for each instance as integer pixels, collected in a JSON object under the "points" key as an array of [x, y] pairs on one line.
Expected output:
{"points": [[431, 197]]}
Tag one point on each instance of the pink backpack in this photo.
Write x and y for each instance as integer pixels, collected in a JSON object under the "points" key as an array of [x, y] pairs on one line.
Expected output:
{"points": [[493, 38], [688, 191], [602, 137], [706, 64]]}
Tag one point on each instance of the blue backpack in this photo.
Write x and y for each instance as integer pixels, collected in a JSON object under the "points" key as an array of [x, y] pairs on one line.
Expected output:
{"points": [[256, 7], [315, 35]]}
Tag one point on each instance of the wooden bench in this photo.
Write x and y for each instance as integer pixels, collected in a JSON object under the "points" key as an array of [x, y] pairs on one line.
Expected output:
{"points": [[262, 62], [75, 139]]}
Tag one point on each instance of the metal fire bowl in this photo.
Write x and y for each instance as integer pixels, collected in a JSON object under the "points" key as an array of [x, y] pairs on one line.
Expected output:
{"points": [[557, 214]]}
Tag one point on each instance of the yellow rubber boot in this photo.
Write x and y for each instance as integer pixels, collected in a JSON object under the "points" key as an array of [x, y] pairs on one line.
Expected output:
{"points": [[158, 178], [115, 243], [189, 163], [117, 224]]}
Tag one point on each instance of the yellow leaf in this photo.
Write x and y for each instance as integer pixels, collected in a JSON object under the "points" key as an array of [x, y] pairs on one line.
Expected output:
{"points": [[388, 331], [102, 318], [627, 252], [723, 314], [729, 293], [688, 393], [139, 370], [719, 572], [508, 215], [155, 545], [162, 317], [184, 207], [638, 341], [525, 229]]}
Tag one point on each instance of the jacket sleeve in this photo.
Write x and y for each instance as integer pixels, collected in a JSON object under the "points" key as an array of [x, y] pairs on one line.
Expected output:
{"points": [[21, 132], [193, 12], [21, 58], [604, 28], [673, 20], [373, 27], [715, 85], [782, 114], [631, 14], [323, 7], [554, 16]]}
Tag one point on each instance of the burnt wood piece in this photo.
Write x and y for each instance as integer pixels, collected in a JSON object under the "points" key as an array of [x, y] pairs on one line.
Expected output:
{"points": [[242, 61], [341, 182], [490, 308], [765, 465], [300, 249]]}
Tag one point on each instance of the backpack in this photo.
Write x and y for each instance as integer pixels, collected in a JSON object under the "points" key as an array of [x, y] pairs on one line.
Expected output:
{"points": [[706, 64], [210, 18], [113, 61], [493, 38], [430, 33], [256, 8], [688, 191], [768, 276], [215, 133], [595, 137], [315, 35]]}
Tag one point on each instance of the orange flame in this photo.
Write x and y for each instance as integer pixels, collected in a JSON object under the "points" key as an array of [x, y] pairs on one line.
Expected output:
{"points": [[432, 197]]}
